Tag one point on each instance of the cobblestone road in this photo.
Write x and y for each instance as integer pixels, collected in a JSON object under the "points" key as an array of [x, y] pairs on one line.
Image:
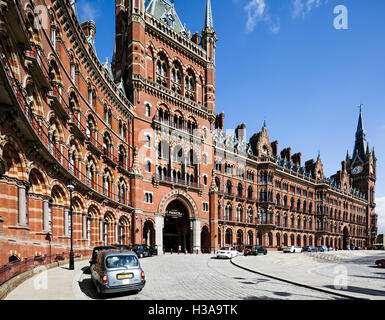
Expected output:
{"points": [[179, 277]]}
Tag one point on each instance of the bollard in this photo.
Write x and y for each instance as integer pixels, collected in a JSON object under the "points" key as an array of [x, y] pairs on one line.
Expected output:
{"points": [[178, 250], [171, 250], [164, 251], [197, 251], [191, 251], [185, 251]]}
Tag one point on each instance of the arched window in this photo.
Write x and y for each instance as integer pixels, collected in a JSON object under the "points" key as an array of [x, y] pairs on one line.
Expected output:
{"points": [[240, 191], [228, 212], [250, 215], [148, 110], [284, 221], [250, 193], [107, 183], [278, 200], [263, 216], [229, 188], [239, 214], [122, 157], [148, 141]]}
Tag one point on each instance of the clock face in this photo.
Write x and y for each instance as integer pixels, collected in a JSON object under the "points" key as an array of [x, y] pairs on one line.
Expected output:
{"points": [[357, 170]]}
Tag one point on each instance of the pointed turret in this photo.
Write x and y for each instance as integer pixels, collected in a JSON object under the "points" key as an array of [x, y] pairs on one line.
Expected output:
{"points": [[208, 43], [209, 22]]}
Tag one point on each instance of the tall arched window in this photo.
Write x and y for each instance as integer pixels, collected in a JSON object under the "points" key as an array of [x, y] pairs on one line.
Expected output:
{"points": [[239, 214], [228, 188], [228, 212]]}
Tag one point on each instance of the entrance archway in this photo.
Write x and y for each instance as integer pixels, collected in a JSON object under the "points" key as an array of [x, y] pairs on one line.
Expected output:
{"points": [[176, 232], [149, 233], [205, 240], [345, 240]]}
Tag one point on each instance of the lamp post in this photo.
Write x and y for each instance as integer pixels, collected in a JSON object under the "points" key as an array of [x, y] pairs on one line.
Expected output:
{"points": [[71, 188]]}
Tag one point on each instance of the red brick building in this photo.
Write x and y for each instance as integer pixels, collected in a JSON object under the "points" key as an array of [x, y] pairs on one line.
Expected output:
{"points": [[140, 140]]}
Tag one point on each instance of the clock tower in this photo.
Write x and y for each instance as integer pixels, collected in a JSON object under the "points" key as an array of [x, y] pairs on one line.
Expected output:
{"points": [[362, 170]]}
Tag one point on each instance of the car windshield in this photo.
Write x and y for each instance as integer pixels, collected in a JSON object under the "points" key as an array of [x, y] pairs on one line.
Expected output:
{"points": [[249, 247], [121, 261], [225, 248]]}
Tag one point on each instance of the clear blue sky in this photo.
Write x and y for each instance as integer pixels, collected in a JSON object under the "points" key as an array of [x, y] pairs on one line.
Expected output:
{"points": [[284, 62]]}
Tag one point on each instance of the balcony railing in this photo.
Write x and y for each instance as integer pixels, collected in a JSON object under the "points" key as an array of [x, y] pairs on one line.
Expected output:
{"points": [[177, 125], [178, 181], [38, 67]]}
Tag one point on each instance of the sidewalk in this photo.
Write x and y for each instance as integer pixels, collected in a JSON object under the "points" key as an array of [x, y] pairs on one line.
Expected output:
{"points": [[355, 272], [53, 284]]}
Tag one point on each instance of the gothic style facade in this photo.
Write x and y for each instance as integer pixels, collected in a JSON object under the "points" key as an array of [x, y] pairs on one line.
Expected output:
{"points": [[140, 140]]}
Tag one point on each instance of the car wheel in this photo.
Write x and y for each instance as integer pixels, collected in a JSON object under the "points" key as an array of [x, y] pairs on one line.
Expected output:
{"points": [[265, 253], [381, 265]]}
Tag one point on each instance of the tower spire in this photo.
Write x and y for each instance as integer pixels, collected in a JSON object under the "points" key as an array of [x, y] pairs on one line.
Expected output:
{"points": [[209, 22], [360, 126], [360, 145]]}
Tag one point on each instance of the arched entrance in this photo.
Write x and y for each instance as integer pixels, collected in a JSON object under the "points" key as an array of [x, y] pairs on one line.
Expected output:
{"points": [[229, 237], [239, 238], [205, 240], [149, 234], [176, 232], [13, 258], [345, 239]]}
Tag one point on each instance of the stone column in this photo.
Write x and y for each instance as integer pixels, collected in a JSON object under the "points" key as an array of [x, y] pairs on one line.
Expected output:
{"points": [[22, 208], [45, 216], [159, 224], [101, 236], [198, 174], [196, 236], [84, 226], [66, 223]]}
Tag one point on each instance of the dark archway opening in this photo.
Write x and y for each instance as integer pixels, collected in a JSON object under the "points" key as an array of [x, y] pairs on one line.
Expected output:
{"points": [[205, 240], [177, 234], [13, 258], [149, 234], [345, 240]]}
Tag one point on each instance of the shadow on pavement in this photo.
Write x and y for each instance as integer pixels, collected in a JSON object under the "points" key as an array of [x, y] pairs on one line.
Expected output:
{"points": [[88, 288], [371, 292], [86, 270]]}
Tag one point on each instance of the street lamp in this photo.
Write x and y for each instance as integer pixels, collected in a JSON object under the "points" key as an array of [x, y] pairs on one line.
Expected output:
{"points": [[71, 188]]}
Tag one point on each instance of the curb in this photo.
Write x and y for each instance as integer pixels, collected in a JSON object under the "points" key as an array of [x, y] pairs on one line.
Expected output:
{"points": [[14, 282], [298, 284]]}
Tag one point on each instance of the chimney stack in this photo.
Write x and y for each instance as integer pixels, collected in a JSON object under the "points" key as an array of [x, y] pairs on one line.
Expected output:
{"points": [[286, 153], [219, 121], [297, 158], [274, 147], [240, 132]]}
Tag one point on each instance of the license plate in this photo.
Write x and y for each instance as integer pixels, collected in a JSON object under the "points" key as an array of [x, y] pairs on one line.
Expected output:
{"points": [[125, 276]]}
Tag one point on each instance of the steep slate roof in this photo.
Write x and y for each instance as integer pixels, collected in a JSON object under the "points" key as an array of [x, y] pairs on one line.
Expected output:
{"points": [[165, 11]]}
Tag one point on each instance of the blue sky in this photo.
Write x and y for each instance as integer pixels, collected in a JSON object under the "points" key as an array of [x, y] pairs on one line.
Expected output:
{"points": [[284, 62]]}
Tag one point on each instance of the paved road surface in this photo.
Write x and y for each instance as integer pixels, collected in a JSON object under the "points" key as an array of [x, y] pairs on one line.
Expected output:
{"points": [[171, 277]]}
